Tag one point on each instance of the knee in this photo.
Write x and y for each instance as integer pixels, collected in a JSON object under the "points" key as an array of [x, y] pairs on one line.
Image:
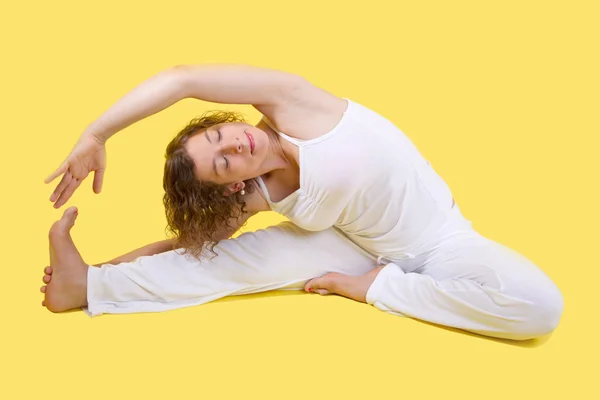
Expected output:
{"points": [[542, 316]]}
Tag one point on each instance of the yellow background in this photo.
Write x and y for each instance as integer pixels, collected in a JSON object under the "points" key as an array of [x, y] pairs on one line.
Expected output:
{"points": [[501, 97]]}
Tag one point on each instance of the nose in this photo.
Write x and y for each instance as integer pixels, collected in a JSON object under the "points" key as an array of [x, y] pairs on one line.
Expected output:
{"points": [[234, 146]]}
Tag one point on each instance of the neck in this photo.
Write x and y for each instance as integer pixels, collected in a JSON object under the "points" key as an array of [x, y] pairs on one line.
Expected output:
{"points": [[277, 158]]}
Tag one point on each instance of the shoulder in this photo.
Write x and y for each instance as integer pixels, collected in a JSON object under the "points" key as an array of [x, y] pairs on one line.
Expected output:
{"points": [[306, 111]]}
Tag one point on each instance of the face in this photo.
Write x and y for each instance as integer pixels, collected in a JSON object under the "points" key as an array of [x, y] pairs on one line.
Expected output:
{"points": [[228, 153]]}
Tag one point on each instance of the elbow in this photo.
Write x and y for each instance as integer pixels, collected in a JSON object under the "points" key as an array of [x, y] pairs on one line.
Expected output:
{"points": [[180, 78]]}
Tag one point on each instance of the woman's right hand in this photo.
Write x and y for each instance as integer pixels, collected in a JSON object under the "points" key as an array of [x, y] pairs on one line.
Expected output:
{"points": [[88, 154]]}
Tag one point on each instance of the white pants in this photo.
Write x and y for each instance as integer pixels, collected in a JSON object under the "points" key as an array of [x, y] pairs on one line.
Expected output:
{"points": [[465, 280]]}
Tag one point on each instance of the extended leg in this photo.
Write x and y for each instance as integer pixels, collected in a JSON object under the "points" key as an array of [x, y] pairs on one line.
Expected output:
{"points": [[278, 257]]}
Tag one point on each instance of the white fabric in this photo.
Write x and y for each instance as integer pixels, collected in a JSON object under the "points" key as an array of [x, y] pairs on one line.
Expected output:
{"points": [[474, 283], [466, 281], [367, 178], [278, 257]]}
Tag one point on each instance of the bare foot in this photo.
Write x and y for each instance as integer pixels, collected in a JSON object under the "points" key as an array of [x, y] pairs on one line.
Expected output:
{"points": [[67, 275], [352, 287]]}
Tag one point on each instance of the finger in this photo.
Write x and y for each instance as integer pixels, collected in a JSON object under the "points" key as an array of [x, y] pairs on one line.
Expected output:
{"points": [[48, 270], [98, 178], [67, 193], [61, 170], [64, 182]]}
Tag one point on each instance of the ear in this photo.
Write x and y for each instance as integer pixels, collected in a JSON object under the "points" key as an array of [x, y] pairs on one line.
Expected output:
{"points": [[234, 188]]}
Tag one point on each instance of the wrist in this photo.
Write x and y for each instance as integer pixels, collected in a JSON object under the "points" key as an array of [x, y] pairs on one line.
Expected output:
{"points": [[90, 134]]}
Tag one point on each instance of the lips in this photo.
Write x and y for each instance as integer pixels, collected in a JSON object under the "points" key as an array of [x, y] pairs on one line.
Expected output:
{"points": [[251, 140]]}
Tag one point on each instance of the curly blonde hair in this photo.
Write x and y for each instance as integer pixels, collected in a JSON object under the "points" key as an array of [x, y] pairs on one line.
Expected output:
{"points": [[195, 209]]}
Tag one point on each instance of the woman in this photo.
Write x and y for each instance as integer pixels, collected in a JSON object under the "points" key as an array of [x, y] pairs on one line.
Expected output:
{"points": [[355, 188]]}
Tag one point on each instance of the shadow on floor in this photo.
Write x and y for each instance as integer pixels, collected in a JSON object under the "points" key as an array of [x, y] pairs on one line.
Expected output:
{"points": [[532, 343]]}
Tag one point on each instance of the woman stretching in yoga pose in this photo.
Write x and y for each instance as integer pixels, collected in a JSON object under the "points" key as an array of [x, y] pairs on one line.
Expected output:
{"points": [[369, 218]]}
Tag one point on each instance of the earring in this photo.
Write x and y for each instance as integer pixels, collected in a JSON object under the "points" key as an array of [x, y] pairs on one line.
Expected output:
{"points": [[243, 192]]}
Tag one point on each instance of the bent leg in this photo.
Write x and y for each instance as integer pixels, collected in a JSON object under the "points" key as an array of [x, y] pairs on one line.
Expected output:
{"points": [[474, 284], [278, 257]]}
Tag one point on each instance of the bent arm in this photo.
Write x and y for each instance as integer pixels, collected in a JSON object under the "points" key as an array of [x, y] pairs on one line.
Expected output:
{"points": [[219, 83], [235, 225], [148, 250], [171, 244]]}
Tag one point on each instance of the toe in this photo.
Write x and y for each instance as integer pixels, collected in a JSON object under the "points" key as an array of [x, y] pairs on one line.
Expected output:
{"points": [[48, 270], [69, 216], [310, 285], [43, 303], [317, 285], [70, 212], [46, 278], [43, 289], [67, 221]]}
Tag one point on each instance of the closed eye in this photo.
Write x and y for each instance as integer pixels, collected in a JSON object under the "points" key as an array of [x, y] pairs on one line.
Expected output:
{"points": [[219, 139]]}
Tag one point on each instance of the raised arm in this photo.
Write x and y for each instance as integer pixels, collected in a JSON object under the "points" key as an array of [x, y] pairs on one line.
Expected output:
{"points": [[238, 83], [222, 83], [217, 83]]}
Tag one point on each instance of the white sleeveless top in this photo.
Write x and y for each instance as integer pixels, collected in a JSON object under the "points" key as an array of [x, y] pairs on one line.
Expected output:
{"points": [[366, 178]]}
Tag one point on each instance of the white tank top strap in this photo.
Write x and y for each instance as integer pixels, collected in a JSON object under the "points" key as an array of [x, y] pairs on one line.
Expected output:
{"points": [[263, 187], [295, 141]]}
